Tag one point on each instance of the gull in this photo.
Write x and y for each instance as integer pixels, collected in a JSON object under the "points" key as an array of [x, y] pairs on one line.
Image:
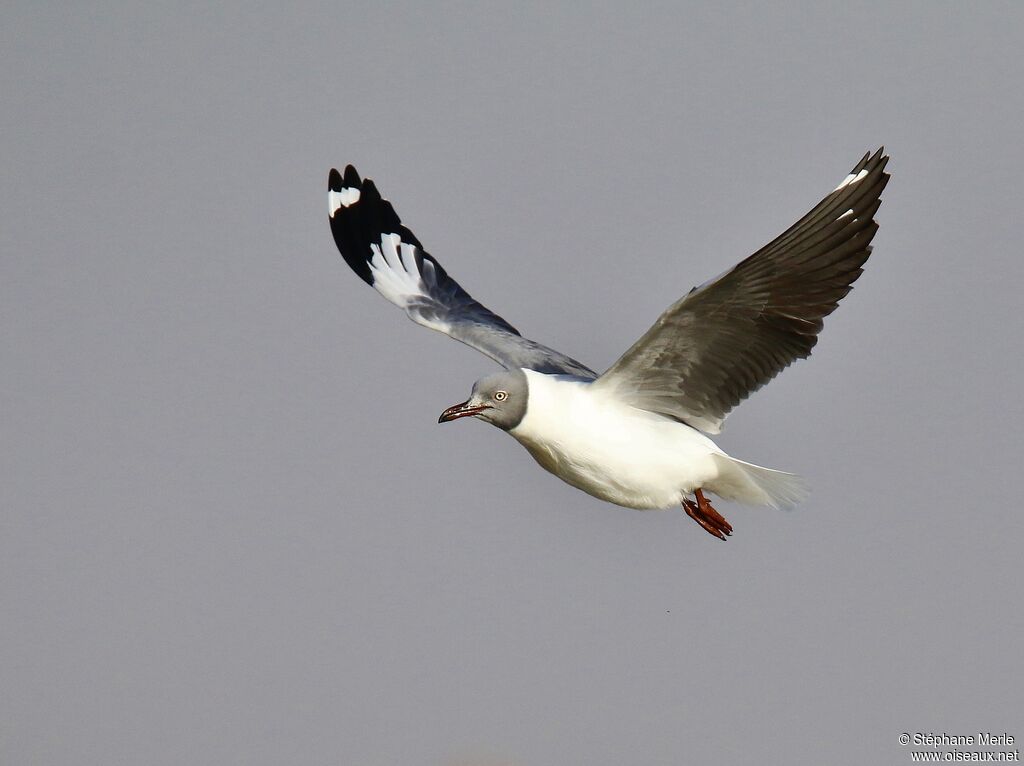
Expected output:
{"points": [[637, 434]]}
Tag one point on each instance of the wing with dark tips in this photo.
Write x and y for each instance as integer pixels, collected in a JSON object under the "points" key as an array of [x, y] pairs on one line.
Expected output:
{"points": [[727, 338], [389, 257]]}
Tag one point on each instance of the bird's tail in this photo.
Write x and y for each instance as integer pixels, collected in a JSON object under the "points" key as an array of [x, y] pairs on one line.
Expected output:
{"points": [[753, 485]]}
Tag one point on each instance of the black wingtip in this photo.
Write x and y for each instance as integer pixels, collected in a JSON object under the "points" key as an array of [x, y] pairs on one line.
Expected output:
{"points": [[369, 191], [350, 179], [359, 218], [352, 176], [871, 159]]}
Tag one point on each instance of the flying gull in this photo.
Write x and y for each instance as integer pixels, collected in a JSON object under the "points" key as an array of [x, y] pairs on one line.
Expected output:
{"points": [[635, 435]]}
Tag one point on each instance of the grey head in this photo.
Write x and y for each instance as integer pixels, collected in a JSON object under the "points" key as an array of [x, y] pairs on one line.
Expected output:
{"points": [[500, 399]]}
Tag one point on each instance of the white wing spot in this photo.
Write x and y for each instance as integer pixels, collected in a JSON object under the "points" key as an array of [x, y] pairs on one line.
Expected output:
{"points": [[848, 212], [395, 276], [409, 259], [389, 245], [349, 195], [851, 179]]}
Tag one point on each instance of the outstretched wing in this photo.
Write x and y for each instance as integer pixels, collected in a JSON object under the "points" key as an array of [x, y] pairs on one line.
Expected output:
{"points": [[727, 338], [387, 256]]}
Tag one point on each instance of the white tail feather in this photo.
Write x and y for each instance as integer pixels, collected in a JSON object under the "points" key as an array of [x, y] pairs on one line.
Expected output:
{"points": [[754, 485]]}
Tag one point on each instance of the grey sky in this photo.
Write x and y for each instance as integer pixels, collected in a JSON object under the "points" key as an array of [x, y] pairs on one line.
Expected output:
{"points": [[232, 531]]}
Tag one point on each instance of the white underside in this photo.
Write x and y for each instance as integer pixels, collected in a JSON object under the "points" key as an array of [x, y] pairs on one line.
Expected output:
{"points": [[632, 457]]}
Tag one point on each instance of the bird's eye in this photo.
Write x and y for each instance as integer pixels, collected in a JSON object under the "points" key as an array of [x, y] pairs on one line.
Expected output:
{"points": [[500, 396]]}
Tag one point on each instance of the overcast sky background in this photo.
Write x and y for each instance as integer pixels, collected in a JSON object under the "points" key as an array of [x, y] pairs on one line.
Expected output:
{"points": [[232, 531]]}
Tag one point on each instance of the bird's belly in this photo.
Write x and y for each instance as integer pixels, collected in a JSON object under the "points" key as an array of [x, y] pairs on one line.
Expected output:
{"points": [[633, 460]]}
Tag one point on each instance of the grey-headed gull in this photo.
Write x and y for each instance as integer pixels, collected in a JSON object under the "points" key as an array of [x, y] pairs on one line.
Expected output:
{"points": [[633, 435]]}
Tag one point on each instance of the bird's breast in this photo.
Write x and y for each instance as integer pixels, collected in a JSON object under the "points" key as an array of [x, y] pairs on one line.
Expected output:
{"points": [[607, 448]]}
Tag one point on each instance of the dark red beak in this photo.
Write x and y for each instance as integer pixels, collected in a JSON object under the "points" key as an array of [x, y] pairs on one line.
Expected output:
{"points": [[457, 411]]}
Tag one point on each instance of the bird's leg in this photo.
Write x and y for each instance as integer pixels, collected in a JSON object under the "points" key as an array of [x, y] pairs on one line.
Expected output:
{"points": [[716, 519], [694, 513], [704, 514]]}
